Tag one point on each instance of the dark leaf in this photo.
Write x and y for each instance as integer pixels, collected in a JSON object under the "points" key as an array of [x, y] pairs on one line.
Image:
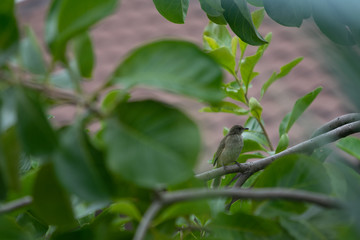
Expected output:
{"points": [[84, 55], [35, 131], [239, 18], [78, 165], [173, 10], [67, 18], [8, 31], [151, 144], [51, 203]]}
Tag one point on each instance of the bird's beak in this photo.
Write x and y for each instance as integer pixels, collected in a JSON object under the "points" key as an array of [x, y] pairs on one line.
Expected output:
{"points": [[245, 129]]}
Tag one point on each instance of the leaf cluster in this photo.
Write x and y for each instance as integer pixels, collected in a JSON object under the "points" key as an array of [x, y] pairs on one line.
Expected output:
{"points": [[131, 177]]}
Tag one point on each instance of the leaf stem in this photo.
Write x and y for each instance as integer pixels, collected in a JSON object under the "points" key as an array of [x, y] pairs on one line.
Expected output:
{"points": [[266, 134]]}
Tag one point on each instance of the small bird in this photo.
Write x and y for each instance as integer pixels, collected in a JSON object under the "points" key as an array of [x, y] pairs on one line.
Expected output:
{"points": [[229, 149]]}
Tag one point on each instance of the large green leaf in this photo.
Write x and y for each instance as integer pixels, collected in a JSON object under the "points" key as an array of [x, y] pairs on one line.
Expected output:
{"points": [[8, 31], [351, 145], [51, 203], [31, 55], [151, 144], [239, 18], [79, 165], [35, 131], [288, 12], [9, 159], [67, 18], [213, 10], [299, 107], [84, 55], [218, 33], [176, 66], [332, 22], [243, 226], [173, 10], [10, 230], [296, 171]]}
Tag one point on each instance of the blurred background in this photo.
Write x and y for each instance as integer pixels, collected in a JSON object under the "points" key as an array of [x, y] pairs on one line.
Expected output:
{"points": [[136, 22]]}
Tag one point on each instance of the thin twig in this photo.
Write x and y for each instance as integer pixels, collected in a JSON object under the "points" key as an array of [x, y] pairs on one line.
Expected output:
{"points": [[16, 204], [305, 146], [266, 135]]}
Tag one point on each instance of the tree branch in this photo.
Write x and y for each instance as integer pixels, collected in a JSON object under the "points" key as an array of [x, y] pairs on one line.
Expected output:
{"points": [[147, 218], [16, 204], [305, 146], [256, 194], [337, 122]]}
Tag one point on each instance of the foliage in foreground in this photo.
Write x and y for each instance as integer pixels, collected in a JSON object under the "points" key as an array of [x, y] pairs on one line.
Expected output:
{"points": [[133, 177]]}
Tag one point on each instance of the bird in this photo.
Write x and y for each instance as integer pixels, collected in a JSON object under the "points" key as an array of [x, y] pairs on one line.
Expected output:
{"points": [[229, 149]]}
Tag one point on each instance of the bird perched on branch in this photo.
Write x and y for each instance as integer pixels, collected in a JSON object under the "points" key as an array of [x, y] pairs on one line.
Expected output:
{"points": [[229, 149]]}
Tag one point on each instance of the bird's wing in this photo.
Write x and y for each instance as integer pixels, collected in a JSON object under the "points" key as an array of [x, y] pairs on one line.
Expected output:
{"points": [[219, 151]]}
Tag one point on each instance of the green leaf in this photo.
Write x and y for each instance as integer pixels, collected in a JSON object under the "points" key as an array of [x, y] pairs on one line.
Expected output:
{"points": [[84, 55], [176, 66], [338, 31], [239, 18], [51, 203], [78, 165], [256, 3], [284, 70], [31, 55], [235, 93], [225, 58], [250, 146], [212, 8], [113, 98], [297, 172], [127, 208], [151, 144], [301, 229], [255, 108], [35, 131], [227, 107], [244, 157], [10, 153], [197, 208], [351, 145], [62, 79], [283, 143], [7, 109], [248, 64], [234, 226], [173, 10], [10, 230], [8, 31], [219, 33], [299, 107], [288, 13], [67, 19], [257, 17]]}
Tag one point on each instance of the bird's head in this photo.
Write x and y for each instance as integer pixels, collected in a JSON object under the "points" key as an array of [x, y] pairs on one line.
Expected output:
{"points": [[237, 129]]}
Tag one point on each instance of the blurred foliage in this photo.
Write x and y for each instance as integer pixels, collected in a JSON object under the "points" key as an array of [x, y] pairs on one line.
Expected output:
{"points": [[98, 184]]}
